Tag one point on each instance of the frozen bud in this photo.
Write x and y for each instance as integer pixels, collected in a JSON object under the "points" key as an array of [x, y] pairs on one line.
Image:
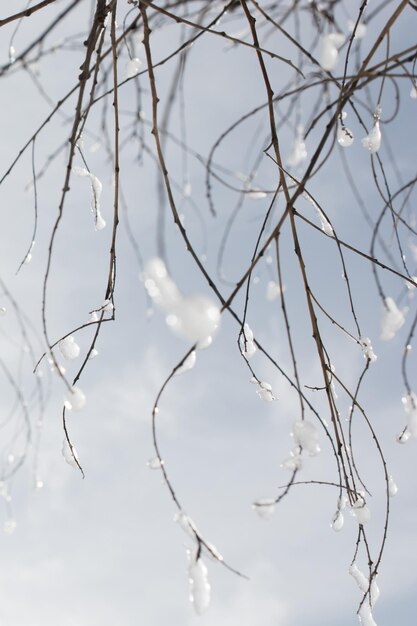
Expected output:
{"points": [[199, 585], [75, 399], [413, 92], [132, 67], [69, 348], [337, 521], [361, 511], [344, 135], [155, 464], [298, 152], [188, 363], [305, 435], [246, 343], [368, 352], [69, 454], [264, 391], [328, 50], [3, 310], [392, 320], [265, 508], [93, 353]]}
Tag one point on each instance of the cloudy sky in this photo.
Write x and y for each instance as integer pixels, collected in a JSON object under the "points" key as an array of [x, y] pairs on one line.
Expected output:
{"points": [[105, 551]]}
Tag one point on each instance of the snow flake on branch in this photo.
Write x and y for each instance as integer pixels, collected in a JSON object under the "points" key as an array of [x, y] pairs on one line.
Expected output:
{"points": [[69, 348]]}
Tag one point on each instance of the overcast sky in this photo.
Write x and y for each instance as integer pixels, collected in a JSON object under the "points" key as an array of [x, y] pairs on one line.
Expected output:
{"points": [[104, 551]]}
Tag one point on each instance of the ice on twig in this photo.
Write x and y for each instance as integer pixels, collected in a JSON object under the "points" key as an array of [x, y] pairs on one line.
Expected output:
{"points": [[188, 363], [305, 435], [246, 342], [199, 585], [69, 348], [264, 507], [361, 511], [96, 189], [132, 67], [360, 31], [410, 407], [76, 399], [361, 580], [372, 141], [392, 487], [329, 50], [337, 521], [344, 135], [186, 524], [413, 92], [294, 461], [298, 152], [264, 391], [367, 349], [155, 464], [195, 318], [325, 224], [256, 194], [69, 455], [365, 615], [392, 320]]}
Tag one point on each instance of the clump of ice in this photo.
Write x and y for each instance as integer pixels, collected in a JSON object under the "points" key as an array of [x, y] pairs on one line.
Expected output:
{"points": [[360, 31], [344, 135], [360, 510], [298, 152], [367, 349], [199, 585], [329, 50], [96, 189], [264, 391], [188, 364], [264, 507], [392, 487], [305, 435], [132, 67], [71, 457], [76, 399], [69, 348], [195, 318], [409, 402], [325, 224], [338, 521], [392, 320], [372, 142], [246, 342]]}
